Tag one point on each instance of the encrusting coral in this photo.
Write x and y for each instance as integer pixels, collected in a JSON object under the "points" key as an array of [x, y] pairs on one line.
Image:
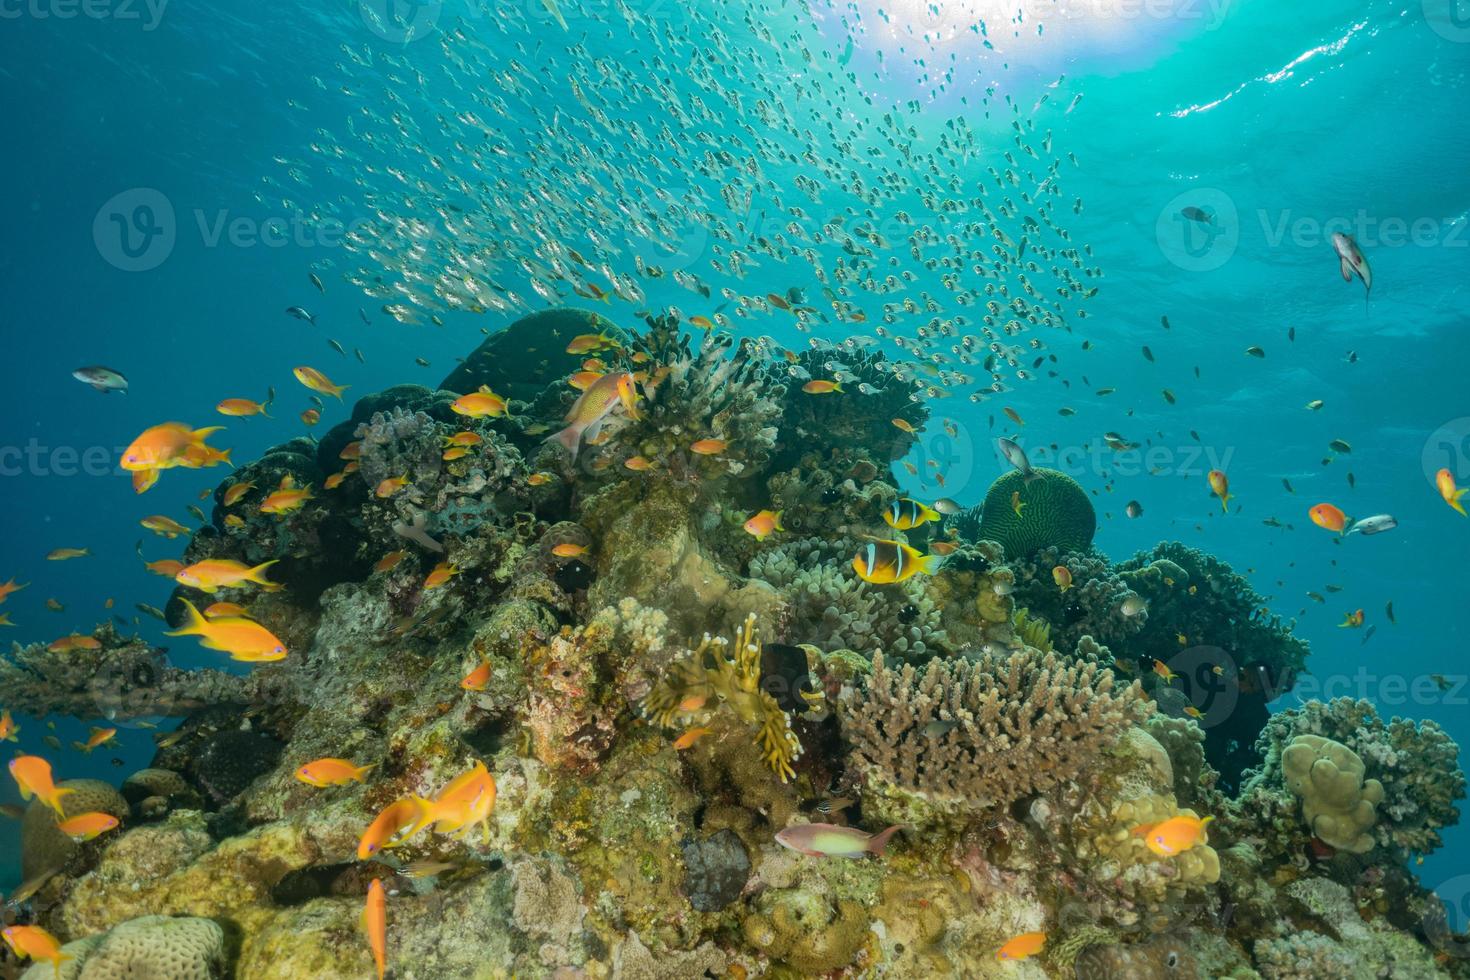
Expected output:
{"points": [[1337, 802]]}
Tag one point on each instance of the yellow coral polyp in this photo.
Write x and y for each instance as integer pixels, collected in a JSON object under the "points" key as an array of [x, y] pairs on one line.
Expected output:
{"points": [[713, 671]]}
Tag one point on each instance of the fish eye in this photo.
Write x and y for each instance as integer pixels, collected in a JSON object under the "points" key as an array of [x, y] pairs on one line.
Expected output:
{"points": [[1172, 961]]}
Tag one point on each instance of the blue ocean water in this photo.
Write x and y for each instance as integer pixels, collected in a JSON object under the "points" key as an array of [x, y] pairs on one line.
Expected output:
{"points": [[140, 233]]}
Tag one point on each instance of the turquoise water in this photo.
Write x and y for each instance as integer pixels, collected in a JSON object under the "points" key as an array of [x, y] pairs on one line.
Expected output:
{"points": [[1279, 120]]}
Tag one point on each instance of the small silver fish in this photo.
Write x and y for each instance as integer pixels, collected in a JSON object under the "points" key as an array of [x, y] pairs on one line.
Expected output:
{"points": [[1376, 524], [103, 379], [1350, 259], [301, 314], [947, 506], [1016, 456], [426, 869]]}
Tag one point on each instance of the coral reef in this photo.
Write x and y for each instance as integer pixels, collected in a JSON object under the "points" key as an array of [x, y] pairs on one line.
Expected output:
{"points": [[974, 735], [590, 639], [1055, 512], [154, 946]]}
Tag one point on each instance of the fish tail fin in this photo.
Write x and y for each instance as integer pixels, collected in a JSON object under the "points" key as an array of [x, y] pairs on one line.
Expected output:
{"points": [[82, 748], [570, 438], [926, 563], [194, 622], [777, 522], [257, 575], [1207, 820], [1454, 500], [338, 389], [360, 771], [879, 841], [1225, 502], [1030, 477], [838, 388]]}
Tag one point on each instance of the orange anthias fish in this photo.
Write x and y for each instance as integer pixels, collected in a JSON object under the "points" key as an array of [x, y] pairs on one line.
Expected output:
{"points": [[390, 486], [310, 416], [638, 464], [1062, 575], [592, 407], [165, 526], [86, 826], [10, 587], [943, 548], [33, 775], [1162, 669], [1220, 486], [317, 381], [242, 407], [66, 554], [375, 924], [35, 943], [688, 739], [567, 549], [583, 380], [482, 404], [439, 575], [331, 772], [390, 561], [1352, 620], [465, 803], [214, 574], [167, 567], [820, 387], [1444, 481], [1022, 947], [464, 439], [99, 736], [477, 679], [399, 821], [762, 524], [9, 730], [709, 447], [286, 498], [1173, 836], [243, 639], [455, 452], [232, 495], [170, 444], [75, 641], [217, 609], [587, 343], [904, 425], [1329, 518]]}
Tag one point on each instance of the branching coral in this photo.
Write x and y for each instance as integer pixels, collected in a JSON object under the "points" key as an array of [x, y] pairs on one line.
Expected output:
{"points": [[830, 607], [716, 672], [970, 735]]}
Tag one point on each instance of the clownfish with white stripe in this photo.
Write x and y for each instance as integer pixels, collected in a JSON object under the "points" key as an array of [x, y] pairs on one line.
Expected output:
{"points": [[904, 514], [886, 562]]}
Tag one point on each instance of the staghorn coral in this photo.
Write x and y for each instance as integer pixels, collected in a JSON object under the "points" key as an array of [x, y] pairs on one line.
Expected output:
{"points": [[1057, 513], [1416, 766], [967, 736], [124, 678], [831, 608], [732, 677]]}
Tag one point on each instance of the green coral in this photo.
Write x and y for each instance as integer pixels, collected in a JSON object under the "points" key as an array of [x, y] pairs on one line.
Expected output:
{"points": [[1056, 512]]}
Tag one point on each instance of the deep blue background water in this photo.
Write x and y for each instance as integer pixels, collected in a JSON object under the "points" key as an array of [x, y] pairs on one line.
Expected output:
{"points": [[1274, 116]]}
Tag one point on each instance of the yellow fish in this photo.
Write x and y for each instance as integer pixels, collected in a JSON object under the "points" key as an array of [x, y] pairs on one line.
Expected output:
{"points": [[1016, 503], [904, 514], [1173, 836], [317, 381], [885, 562], [214, 574], [243, 639]]}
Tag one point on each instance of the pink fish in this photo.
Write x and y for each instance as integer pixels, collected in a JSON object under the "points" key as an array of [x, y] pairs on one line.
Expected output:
{"points": [[830, 840], [593, 407]]}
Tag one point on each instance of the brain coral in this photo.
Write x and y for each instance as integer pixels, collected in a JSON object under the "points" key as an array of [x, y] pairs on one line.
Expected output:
{"points": [[158, 947], [1055, 513], [43, 846]]}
